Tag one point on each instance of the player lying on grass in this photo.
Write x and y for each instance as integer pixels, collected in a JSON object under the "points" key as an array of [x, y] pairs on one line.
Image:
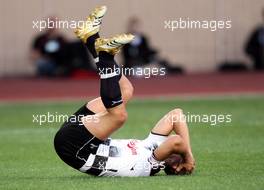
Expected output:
{"points": [[85, 144]]}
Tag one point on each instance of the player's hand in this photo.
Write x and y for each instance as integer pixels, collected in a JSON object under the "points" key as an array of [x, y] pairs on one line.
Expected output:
{"points": [[187, 167]]}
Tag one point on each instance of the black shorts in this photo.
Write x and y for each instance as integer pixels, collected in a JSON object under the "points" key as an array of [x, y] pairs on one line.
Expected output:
{"points": [[73, 142]]}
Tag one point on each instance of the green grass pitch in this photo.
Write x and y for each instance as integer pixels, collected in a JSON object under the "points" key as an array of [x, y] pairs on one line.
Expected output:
{"points": [[228, 156]]}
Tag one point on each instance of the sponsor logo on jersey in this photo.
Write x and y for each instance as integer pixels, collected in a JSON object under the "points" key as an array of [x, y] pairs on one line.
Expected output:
{"points": [[132, 146]]}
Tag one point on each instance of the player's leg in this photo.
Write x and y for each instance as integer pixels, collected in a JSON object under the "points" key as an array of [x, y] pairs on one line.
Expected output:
{"points": [[89, 33], [103, 51], [104, 124], [127, 89], [73, 142], [96, 105], [110, 92]]}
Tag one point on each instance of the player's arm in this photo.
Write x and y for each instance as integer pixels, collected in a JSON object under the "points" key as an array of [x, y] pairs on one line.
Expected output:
{"points": [[180, 143]]}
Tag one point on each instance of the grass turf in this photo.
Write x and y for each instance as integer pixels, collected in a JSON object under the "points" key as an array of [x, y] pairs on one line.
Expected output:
{"points": [[229, 156]]}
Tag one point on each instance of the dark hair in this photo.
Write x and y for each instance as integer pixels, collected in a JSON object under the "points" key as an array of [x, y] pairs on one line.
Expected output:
{"points": [[173, 160]]}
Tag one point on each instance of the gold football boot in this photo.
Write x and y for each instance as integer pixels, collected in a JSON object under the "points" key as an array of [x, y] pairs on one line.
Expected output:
{"points": [[92, 24], [114, 44]]}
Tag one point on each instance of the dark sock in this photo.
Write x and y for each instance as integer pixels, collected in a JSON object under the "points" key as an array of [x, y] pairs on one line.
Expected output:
{"points": [[90, 44], [107, 64], [110, 75]]}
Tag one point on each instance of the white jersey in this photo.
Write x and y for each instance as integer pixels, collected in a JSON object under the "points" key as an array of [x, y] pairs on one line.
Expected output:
{"points": [[124, 157]]}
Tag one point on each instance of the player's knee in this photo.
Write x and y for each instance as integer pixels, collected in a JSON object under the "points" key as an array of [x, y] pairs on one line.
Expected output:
{"points": [[121, 116], [128, 93], [131, 91]]}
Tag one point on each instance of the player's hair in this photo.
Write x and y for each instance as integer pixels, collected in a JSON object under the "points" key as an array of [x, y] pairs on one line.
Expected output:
{"points": [[174, 159]]}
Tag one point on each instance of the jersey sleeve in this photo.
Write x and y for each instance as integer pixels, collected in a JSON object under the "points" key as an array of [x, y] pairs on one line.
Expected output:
{"points": [[154, 140]]}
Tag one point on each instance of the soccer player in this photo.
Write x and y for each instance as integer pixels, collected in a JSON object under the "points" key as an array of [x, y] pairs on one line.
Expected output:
{"points": [[84, 143]]}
